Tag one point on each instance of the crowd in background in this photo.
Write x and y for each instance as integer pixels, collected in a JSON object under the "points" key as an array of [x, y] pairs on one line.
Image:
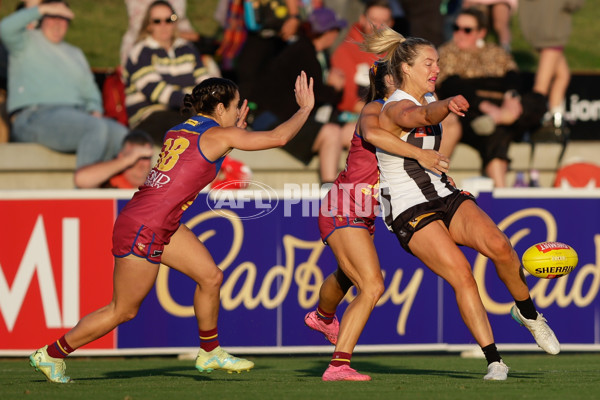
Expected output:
{"points": [[49, 94]]}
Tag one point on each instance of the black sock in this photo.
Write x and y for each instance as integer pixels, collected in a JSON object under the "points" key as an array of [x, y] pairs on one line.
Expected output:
{"points": [[527, 308], [491, 353]]}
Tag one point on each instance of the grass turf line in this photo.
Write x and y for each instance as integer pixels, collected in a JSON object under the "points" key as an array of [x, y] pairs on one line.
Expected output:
{"points": [[532, 376]]}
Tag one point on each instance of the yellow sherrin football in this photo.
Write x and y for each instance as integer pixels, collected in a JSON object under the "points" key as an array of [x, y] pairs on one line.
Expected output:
{"points": [[550, 260]]}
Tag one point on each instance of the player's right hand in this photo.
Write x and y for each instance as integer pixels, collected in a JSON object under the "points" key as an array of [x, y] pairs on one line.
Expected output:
{"points": [[434, 161]]}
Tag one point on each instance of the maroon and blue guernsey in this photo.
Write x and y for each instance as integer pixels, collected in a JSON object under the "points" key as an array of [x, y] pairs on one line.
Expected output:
{"points": [[180, 173], [356, 190]]}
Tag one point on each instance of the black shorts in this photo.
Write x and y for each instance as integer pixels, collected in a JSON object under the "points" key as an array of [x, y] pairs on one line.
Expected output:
{"points": [[489, 147], [301, 145], [419, 216]]}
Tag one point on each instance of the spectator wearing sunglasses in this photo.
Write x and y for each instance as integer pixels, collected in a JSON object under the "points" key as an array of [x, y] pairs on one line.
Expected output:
{"points": [[136, 9], [161, 69], [487, 76]]}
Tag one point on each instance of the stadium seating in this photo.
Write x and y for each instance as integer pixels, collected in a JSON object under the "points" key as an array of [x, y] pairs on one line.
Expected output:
{"points": [[32, 166]]}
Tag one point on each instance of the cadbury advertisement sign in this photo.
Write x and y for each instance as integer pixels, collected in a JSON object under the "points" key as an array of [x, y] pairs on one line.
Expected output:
{"points": [[57, 266]]}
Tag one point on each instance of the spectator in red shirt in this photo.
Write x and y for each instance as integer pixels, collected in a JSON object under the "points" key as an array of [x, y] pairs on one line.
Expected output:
{"points": [[354, 62]]}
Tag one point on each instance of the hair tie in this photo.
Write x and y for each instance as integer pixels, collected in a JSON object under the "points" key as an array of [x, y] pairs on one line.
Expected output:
{"points": [[373, 69]]}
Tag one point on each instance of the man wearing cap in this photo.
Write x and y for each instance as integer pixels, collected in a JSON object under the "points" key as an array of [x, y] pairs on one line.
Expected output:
{"points": [[52, 96]]}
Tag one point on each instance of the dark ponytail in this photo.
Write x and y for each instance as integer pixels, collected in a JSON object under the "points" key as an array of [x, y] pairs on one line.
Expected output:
{"points": [[377, 86], [208, 94]]}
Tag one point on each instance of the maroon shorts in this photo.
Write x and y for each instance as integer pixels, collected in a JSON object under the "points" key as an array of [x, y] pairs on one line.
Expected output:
{"points": [[130, 238], [328, 224]]}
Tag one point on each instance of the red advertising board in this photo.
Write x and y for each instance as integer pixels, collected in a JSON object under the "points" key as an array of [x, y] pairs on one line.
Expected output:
{"points": [[56, 267]]}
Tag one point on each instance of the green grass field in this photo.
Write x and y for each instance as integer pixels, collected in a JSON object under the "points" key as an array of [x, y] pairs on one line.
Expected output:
{"points": [[401, 376]]}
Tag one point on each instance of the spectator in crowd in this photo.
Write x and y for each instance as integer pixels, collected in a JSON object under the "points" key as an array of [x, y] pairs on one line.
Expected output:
{"points": [[424, 19], [350, 10], [230, 16], [126, 171], [136, 9], [161, 69], [265, 39], [53, 98], [487, 76], [4, 122], [546, 25], [354, 62], [318, 135], [499, 13]]}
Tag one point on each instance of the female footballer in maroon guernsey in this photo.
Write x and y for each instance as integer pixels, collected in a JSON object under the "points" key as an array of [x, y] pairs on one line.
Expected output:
{"points": [[148, 231], [352, 203]]}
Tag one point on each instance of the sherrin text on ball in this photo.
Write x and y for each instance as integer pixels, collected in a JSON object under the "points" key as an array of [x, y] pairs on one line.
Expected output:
{"points": [[550, 260]]}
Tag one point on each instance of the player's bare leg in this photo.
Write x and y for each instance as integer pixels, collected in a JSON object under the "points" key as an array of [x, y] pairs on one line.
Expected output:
{"points": [[133, 278], [474, 228], [448, 261], [358, 259], [188, 255]]}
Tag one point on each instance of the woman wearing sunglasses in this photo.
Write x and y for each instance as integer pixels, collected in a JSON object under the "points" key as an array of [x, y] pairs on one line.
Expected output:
{"points": [[161, 68], [487, 76]]}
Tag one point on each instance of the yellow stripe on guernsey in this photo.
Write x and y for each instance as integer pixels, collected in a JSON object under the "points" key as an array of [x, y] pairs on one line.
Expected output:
{"points": [[186, 131], [208, 337]]}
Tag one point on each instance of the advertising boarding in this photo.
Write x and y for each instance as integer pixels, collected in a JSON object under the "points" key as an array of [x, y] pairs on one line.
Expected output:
{"points": [[56, 266]]}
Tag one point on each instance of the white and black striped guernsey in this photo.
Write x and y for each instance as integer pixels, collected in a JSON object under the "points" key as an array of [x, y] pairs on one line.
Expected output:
{"points": [[403, 182]]}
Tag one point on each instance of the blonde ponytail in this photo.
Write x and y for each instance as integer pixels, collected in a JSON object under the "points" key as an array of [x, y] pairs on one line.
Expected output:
{"points": [[382, 42], [394, 48]]}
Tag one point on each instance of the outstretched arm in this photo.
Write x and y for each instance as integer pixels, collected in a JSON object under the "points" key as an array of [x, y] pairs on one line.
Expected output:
{"points": [[368, 126], [219, 141], [408, 115]]}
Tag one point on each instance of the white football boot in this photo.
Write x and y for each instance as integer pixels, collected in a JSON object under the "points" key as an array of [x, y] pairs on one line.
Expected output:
{"points": [[497, 371], [543, 335]]}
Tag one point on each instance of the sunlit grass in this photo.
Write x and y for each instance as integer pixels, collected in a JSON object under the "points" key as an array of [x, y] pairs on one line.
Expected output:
{"points": [[399, 376]]}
